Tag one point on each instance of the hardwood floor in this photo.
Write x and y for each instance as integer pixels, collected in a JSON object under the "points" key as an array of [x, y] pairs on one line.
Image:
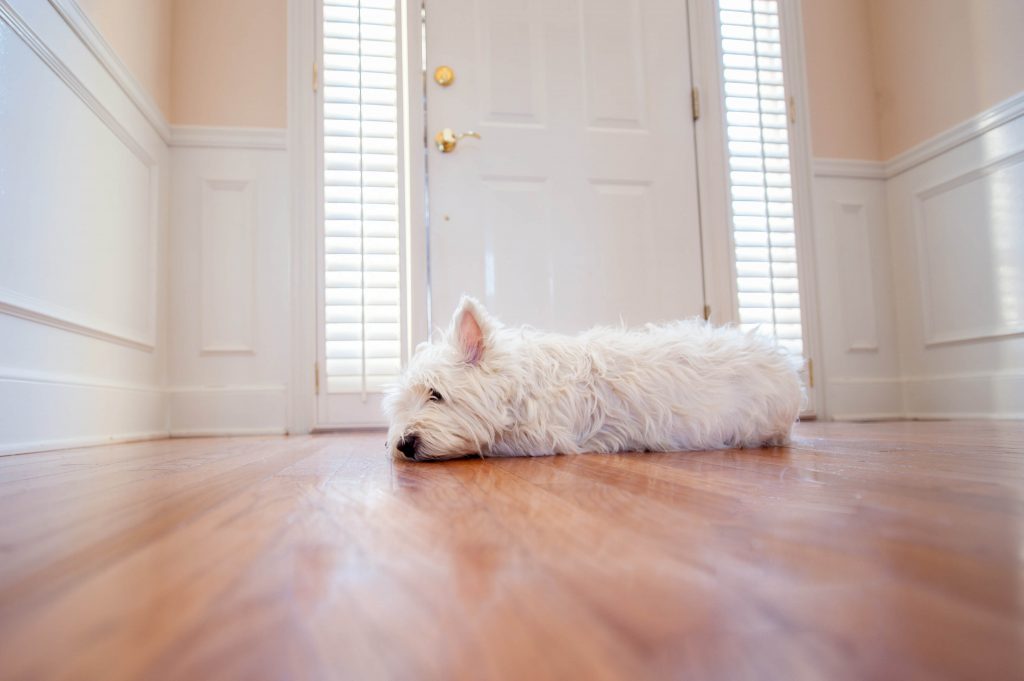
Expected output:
{"points": [[879, 551]]}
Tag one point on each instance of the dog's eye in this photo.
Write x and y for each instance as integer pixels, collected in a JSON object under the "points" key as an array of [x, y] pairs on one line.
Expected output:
{"points": [[435, 396]]}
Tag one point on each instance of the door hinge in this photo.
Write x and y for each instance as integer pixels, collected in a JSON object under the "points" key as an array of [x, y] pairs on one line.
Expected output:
{"points": [[707, 312], [316, 376], [810, 373], [316, 76], [695, 101], [791, 107]]}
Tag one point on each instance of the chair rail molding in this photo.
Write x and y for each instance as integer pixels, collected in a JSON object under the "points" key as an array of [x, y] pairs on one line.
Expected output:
{"points": [[974, 127], [228, 137], [79, 22]]}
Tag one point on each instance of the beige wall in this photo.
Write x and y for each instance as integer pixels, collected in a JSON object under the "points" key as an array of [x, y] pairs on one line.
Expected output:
{"points": [[840, 80], [883, 75], [886, 75], [230, 60], [204, 62], [140, 32], [939, 62]]}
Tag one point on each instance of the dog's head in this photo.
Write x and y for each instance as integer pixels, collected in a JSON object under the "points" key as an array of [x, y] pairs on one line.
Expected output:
{"points": [[448, 403]]}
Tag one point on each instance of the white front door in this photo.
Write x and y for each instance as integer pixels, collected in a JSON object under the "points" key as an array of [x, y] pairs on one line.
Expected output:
{"points": [[578, 203]]}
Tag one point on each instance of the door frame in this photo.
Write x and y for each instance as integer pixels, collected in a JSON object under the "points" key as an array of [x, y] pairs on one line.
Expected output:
{"points": [[713, 185], [718, 262], [306, 228]]}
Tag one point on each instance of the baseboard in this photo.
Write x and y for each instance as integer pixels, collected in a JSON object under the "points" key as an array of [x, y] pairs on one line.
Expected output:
{"points": [[976, 395], [228, 410], [864, 399], [995, 395], [869, 417], [79, 442], [43, 412], [963, 416], [226, 432]]}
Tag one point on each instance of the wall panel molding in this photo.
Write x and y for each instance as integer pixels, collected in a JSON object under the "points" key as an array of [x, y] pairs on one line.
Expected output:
{"points": [[860, 364], [36, 44], [26, 306], [856, 275], [227, 289], [229, 301], [932, 335]]}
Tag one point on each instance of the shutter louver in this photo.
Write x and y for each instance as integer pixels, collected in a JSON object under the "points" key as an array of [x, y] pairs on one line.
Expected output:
{"points": [[761, 200], [363, 319]]}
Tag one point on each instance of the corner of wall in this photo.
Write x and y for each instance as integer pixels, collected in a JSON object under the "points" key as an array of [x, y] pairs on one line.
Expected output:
{"points": [[859, 332], [907, 282], [84, 352], [230, 295]]}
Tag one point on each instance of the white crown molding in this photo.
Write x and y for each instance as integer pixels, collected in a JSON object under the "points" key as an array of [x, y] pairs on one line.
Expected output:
{"points": [[998, 115], [850, 168], [228, 137], [91, 37]]}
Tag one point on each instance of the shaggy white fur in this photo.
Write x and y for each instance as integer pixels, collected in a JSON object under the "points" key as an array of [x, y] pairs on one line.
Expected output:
{"points": [[485, 389]]}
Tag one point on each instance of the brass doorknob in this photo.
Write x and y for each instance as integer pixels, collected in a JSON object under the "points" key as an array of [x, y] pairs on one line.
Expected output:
{"points": [[444, 76], [447, 139]]}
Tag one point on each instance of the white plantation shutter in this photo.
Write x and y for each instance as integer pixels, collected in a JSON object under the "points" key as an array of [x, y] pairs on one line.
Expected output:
{"points": [[360, 126], [759, 170]]}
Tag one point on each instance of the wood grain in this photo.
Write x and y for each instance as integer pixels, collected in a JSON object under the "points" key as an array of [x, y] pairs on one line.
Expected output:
{"points": [[889, 550]]}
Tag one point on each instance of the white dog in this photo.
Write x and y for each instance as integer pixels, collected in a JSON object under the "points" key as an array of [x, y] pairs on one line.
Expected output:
{"points": [[492, 391]]}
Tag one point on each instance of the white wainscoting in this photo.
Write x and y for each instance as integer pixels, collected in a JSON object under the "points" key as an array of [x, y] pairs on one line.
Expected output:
{"points": [[941, 275], [83, 216], [228, 410], [860, 363], [230, 282], [100, 338], [957, 226], [42, 410]]}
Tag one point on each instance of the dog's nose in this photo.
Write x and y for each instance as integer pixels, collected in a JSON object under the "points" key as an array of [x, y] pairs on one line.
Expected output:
{"points": [[407, 445]]}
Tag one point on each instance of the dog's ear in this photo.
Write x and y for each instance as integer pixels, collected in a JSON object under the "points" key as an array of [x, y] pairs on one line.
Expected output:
{"points": [[470, 329]]}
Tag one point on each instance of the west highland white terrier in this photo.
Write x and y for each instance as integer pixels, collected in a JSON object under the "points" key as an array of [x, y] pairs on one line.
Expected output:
{"points": [[484, 389]]}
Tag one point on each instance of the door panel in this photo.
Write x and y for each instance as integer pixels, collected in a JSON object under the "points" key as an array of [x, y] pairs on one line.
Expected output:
{"points": [[578, 206]]}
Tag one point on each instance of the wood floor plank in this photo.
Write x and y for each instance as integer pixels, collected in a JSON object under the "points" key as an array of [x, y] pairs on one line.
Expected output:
{"points": [[883, 550], [86, 524]]}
